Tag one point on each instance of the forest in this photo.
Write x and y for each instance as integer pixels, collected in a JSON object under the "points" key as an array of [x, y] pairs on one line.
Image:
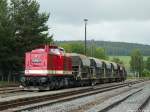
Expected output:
{"points": [[114, 48]]}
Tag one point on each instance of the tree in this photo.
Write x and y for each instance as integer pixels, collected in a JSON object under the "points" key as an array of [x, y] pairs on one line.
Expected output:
{"points": [[100, 53], [146, 73], [67, 47], [79, 48], [117, 60], [136, 62], [6, 41], [148, 63], [73, 48], [22, 28], [30, 29]]}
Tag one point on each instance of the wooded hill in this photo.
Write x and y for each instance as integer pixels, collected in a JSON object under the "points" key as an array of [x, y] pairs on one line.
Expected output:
{"points": [[114, 48]]}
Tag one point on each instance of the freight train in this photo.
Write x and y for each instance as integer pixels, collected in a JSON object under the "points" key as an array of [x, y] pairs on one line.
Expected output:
{"points": [[48, 67]]}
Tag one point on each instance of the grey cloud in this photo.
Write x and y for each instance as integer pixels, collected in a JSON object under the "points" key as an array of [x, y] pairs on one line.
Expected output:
{"points": [[114, 20], [73, 11], [127, 31]]}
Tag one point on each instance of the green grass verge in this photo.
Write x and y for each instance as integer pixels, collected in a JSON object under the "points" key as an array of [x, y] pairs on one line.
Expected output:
{"points": [[3, 83]]}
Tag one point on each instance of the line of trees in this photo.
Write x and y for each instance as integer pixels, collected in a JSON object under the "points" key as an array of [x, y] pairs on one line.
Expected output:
{"points": [[140, 67], [136, 62], [116, 48], [117, 60], [22, 28], [91, 50]]}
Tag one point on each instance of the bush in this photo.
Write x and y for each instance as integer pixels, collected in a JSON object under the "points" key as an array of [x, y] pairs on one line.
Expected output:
{"points": [[146, 73]]}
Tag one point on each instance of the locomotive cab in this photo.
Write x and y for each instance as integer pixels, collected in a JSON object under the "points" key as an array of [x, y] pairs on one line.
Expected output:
{"points": [[43, 61], [44, 64]]}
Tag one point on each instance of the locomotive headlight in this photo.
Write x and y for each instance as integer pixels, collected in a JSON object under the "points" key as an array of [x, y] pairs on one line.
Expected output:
{"points": [[43, 79]]}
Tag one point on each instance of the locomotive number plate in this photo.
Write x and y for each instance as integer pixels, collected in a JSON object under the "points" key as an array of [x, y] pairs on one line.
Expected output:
{"points": [[36, 60]]}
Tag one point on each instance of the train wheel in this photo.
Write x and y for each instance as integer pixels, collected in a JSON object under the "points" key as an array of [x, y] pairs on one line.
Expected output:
{"points": [[52, 85], [61, 83], [66, 82]]}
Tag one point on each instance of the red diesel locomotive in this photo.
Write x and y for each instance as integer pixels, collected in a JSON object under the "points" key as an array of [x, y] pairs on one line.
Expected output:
{"points": [[49, 67]]}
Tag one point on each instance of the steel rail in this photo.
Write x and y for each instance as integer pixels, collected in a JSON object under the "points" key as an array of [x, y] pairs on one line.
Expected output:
{"points": [[77, 93], [144, 104]]}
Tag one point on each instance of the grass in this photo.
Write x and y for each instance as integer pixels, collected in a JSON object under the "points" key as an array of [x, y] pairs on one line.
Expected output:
{"points": [[3, 83], [125, 59]]}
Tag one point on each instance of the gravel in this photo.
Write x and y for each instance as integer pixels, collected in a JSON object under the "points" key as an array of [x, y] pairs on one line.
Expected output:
{"points": [[83, 104], [132, 103], [147, 108]]}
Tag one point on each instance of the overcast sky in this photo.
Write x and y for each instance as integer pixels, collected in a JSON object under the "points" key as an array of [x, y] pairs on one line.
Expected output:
{"points": [[108, 20]]}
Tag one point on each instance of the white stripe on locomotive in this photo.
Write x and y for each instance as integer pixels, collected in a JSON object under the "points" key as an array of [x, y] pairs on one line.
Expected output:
{"points": [[47, 72]]}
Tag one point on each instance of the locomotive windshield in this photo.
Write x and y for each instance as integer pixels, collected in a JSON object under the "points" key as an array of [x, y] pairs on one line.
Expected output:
{"points": [[55, 51], [61, 50]]}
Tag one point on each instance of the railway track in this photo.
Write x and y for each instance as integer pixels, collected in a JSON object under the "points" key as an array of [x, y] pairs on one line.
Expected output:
{"points": [[59, 97], [144, 104], [10, 90], [109, 107], [9, 85], [132, 101]]}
